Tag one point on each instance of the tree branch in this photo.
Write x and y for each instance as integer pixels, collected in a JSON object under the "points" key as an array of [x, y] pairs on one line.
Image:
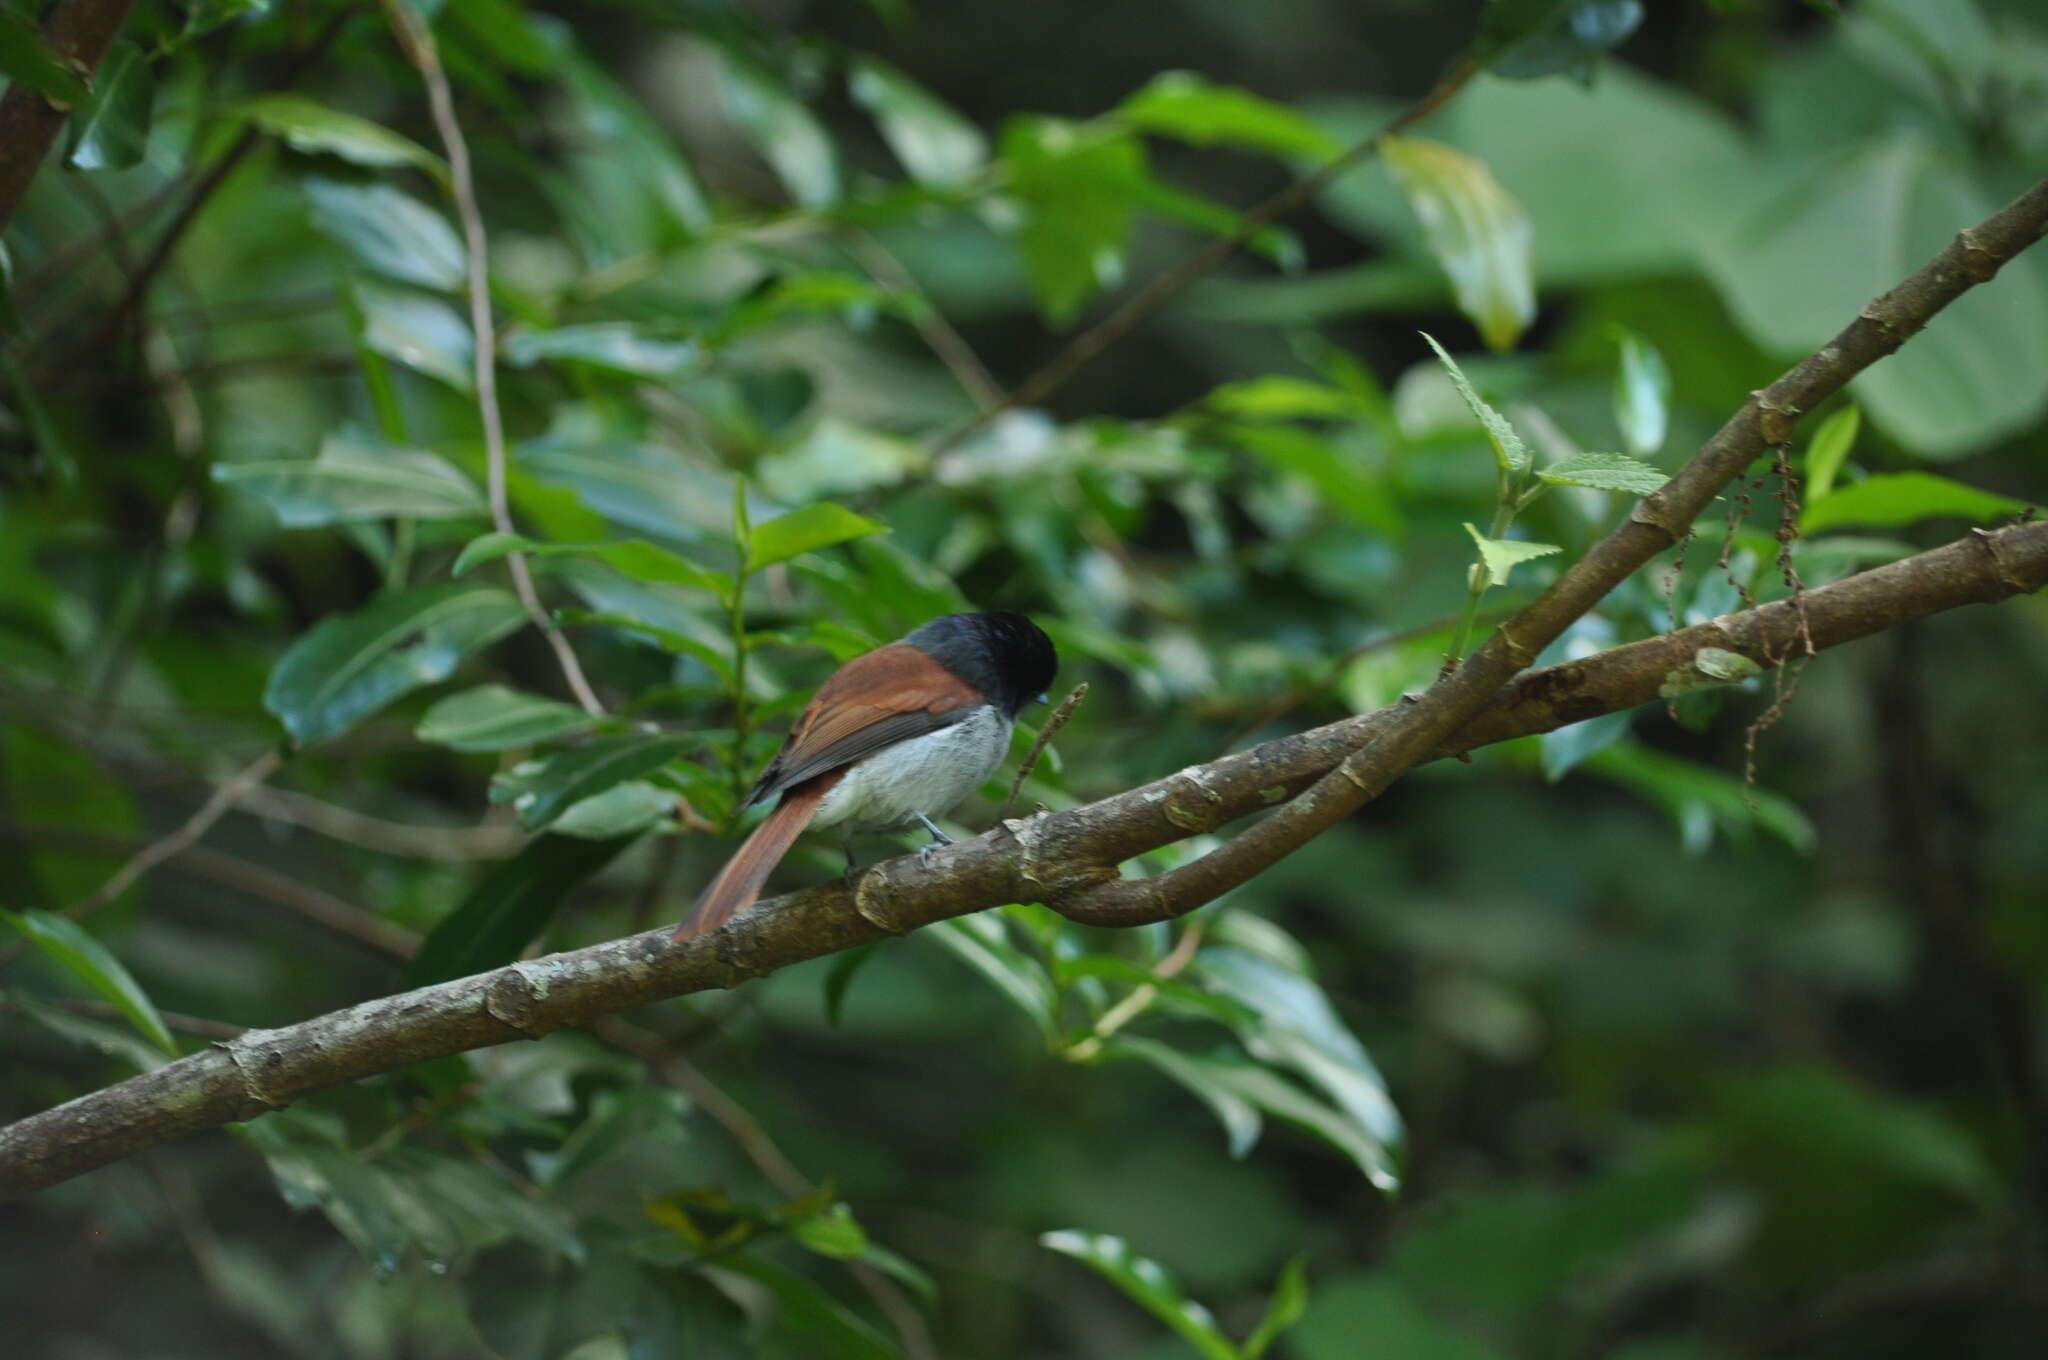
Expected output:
{"points": [[79, 33], [1034, 859]]}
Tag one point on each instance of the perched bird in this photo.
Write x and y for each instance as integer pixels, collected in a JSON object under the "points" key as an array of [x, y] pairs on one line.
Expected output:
{"points": [[898, 735]]}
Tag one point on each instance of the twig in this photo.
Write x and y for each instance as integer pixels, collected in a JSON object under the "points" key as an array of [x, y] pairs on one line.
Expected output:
{"points": [[1083, 348], [1141, 996], [1053, 723], [107, 1010], [375, 833], [673, 1067], [1067, 859], [302, 899], [417, 42], [947, 343], [182, 839]]}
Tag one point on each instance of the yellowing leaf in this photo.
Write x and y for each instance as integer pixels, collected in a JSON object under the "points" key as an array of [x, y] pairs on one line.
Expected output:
{"points": [[1476, 230]]}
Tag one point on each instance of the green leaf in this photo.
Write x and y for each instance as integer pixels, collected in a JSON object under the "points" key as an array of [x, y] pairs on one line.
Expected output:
{"points": [[1699, 798], [935, 144], [1277, 396], [420, 332], [112, 131], [825, 1326], [614, 346], [806, 530], [1642, 394], [50, 772], [846, 965], [1501, 555], [1194, 109], [632, 806], [786, 133], [494, 718], [1565, 747], [1475, 229], [1374, 1306], [354, 479], [637, 558], [27, 61], [349, 666], [981, 942], [504, 913], [1892, 499], [1508, 449], [310, 126], [834, 1233], [1146, 1283], [1278, 1096], [1283, 1310], [1239, 1117], [97, 1035], [1829, 449], [1079, 191], [717, 658], [1343, 483], [68, 945], [390, 232], [1604, 472], [543, 790]]}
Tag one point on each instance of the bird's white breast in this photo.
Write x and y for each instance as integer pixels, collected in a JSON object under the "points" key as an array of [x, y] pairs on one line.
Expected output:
{"points": [[931, 774]]}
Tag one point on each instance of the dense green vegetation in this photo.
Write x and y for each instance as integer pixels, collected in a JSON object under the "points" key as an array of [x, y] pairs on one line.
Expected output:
{"points": [[1710, 1028]]}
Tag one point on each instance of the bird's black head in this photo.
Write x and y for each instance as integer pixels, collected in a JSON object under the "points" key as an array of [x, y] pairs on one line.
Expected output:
{"points": [[1005, 656]]}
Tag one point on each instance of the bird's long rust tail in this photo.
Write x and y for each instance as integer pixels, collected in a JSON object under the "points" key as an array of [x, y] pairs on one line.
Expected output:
{"points": [[739, 882]]}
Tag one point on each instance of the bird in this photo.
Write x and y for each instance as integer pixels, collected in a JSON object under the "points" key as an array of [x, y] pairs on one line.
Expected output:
{"points": [[895, 736]]}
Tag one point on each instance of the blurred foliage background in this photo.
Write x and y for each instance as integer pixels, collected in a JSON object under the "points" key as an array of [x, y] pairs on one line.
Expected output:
{"points": [[1595, 1046]]}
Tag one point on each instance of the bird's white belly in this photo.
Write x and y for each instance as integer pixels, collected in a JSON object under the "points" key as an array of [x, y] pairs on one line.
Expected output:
{"points": [[931, 774]]}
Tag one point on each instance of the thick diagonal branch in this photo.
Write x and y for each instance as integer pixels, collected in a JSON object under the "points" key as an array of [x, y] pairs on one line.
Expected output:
{"points": [[1036, 859], [79, 34]]}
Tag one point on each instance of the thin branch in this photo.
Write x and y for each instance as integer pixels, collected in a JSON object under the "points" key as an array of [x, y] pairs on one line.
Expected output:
{"points": [[1138, 998], [417, 42], [1070, 857], [487, 841], [1054, 721], [182, 839], [79, 33], [320, 907], [1657, 522], [947, 343], [1163, 288], [1034, 859]]}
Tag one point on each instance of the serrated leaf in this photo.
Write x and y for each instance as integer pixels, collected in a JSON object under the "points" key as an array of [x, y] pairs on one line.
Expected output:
{"points": [[637, 558], [1476, 231], [506, 911], [1642, 394], [349, 666], [1191, 107], [112, 130], [389, 231], [545, 789], [1502, 555], [933, 141], [308, 125], [494, 718], [1829, 450], [1508, 449], [72, 948], [788, 135], [1146, 1283], [1892, 499], [354, 479], [1604, 472], [806, 530]]}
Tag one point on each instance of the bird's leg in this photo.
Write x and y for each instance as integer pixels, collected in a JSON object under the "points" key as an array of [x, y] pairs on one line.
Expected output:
{"points": [[939, 838]]}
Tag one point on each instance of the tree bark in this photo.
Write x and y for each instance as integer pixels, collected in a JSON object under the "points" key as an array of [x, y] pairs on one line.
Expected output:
{"points": [[78, 33], [1027, 859]]}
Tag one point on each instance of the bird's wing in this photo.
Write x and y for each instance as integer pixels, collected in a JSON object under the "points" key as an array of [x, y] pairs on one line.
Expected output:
{"points": [[888, 695]]}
